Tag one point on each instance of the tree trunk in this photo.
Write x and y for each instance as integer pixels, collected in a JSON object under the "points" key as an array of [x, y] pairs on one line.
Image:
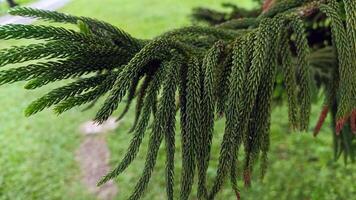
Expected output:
{"points": [[12, 3], [267, 5]]}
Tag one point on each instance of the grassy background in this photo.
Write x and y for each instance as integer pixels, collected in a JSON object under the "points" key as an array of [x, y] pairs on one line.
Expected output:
{"points": [[37, 153], [4, 6]]}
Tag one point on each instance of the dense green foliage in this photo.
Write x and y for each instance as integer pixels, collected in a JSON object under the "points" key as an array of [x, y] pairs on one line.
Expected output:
{"points": [[318, 29], [212, 68]]}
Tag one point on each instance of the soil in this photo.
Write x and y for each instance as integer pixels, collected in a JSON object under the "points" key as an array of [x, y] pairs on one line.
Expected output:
{"points": [[93, 157]]}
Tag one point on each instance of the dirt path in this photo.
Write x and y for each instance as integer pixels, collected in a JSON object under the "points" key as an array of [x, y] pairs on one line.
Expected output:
{"points": [[42, 4], [93, 157]]}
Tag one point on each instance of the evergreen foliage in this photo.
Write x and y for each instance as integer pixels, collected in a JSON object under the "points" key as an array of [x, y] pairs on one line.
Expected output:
{"points": [[226, 70]]}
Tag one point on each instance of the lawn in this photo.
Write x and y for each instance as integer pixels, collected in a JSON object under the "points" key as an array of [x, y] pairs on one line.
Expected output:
{"points": [[37, 153], [4, 6]]}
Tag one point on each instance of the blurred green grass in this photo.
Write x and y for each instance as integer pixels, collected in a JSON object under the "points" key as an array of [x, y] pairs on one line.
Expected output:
{"points": [[4, 6], [37, 153]]}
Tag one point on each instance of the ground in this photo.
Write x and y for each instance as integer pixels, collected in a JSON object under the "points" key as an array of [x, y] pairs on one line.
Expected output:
{"points": [[37, 154]]}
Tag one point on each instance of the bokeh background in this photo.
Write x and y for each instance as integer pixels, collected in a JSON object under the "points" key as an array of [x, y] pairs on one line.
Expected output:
{"points": [[37, 154]]}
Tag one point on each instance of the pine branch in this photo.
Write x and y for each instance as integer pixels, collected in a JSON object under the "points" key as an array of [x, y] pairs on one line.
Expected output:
{"points": [[139, 131], [63, 93], [54, 16], [229, 68], [41, 32]]}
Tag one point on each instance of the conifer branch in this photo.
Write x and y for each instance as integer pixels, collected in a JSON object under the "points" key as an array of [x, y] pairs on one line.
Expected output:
{"points": [[229, 69]]}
